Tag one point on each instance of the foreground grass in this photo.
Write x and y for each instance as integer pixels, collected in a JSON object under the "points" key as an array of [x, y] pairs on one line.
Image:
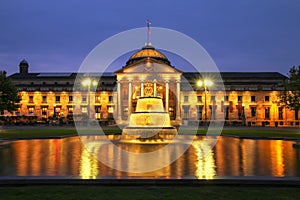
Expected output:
{"points": [[44, 132], [144, 193]]}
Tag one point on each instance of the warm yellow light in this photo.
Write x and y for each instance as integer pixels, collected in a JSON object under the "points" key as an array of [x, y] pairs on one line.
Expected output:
{"points": [[205, 83], [199, 83], [95, 83], [86, 82], [208, 82]]}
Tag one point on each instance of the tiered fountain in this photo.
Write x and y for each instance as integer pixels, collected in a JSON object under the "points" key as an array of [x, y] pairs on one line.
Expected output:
{"points": [[149, 121]]}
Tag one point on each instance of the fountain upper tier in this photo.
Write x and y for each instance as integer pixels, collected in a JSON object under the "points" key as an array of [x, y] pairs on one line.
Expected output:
{"points": [[149, 104]]}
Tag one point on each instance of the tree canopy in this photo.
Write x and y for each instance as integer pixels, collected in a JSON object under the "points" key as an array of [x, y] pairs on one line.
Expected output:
{"points": [[290, 96], [9, 97]]}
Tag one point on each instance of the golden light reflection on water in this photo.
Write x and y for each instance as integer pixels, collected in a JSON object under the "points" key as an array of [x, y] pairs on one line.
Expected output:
{"points": [[277, 158], [205, 164], [88, 165], [230, 157]]}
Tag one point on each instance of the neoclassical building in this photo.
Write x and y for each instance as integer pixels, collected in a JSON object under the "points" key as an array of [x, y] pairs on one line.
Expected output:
{"points": [[248, 98]]}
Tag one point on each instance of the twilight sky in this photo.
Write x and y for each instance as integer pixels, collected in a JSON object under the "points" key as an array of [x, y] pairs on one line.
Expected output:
{"points": [[55, 36]]}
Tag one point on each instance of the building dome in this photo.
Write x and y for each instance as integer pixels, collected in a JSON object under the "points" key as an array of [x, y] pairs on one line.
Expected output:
{"points": [[23, 62], [147, 51]]}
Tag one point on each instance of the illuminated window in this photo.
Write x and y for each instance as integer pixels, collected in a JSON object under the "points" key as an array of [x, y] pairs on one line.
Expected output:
{"points": [[110, 109], [84, 109], [44, 111], [70, 109], [57, 109], [253, 98], [97, 99], [30, 110]]}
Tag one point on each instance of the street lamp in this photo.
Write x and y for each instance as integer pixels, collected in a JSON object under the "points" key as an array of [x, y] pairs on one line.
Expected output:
{"points": [[87, 83], [205, 83]]}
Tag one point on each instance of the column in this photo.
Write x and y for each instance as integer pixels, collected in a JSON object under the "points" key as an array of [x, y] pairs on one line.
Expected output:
{"points": [[129, 98], [178, 118], [167, 96], [154, 88], [119, 113], [142, 88]]}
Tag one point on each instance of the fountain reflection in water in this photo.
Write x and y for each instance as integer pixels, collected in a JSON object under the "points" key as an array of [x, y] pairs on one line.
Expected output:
{"points": [[149, 123]]}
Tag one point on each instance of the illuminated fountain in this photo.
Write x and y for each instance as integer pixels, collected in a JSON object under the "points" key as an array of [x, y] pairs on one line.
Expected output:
{"points": [[149, 121]]}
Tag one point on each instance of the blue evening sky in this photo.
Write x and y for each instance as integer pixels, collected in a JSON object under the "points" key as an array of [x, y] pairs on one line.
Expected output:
{"points": [[55, 36]]}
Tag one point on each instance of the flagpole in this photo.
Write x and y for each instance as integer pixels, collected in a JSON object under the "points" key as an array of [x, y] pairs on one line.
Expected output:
{"points": [[148, 32]]}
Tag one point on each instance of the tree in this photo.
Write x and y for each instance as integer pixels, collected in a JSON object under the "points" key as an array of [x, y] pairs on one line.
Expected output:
{"points": [[9, 97], [290, 96]]}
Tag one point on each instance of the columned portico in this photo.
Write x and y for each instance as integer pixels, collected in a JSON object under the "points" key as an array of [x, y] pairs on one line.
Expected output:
{"points": [[148, 73], [167, 96], [142, 89], [119, 108], [129, 97], [178, 103]]}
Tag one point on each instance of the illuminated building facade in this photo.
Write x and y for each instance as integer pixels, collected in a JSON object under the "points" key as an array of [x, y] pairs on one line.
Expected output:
{"points": [[250, 98]]}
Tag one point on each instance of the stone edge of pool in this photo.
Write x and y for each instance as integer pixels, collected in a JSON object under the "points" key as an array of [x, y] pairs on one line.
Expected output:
{"points": [[152, 181]]}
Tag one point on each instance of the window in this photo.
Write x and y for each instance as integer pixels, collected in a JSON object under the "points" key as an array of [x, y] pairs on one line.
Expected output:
{"points": [[253, 99], [70, 98], [186, 110], [226, 98], [97, 99], [280, 113], [267, 113], [212, 98], [110, 99], [199, 112], [84, 109], [44, 99], [186, 98], [44, 83], [57, 99], [267, 98], [44, 111], [253, 111], [240, 98], [199, 98], [30, 99], [84, 99], [30, 110], [70, 109], [110, 109]]}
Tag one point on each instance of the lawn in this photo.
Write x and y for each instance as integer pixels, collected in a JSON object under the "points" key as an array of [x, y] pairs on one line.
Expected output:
{"points": [[148, 192]]}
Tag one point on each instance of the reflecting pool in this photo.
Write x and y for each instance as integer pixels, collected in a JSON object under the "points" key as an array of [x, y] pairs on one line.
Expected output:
{"points": [[230, 157]]}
